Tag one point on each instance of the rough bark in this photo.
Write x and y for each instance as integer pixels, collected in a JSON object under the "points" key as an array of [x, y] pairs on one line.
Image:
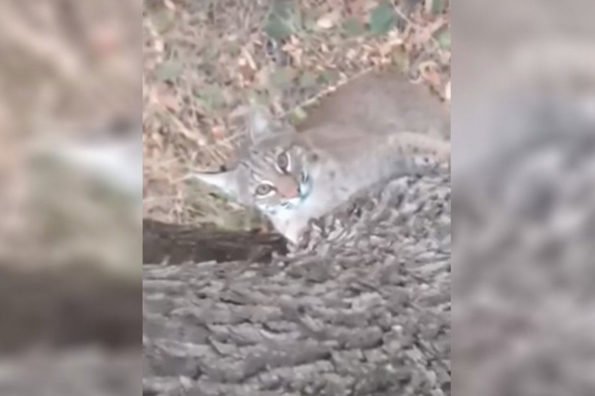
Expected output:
{"points": [[361, 308]]}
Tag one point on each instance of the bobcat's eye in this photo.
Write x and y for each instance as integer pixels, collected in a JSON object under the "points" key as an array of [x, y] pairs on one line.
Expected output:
{"points": [[264, 189], [283, 162]]}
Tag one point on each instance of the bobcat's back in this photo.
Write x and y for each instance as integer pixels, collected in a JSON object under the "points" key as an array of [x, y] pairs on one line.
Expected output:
{"points": [[380, 123], [380, 103], [375, 127]]}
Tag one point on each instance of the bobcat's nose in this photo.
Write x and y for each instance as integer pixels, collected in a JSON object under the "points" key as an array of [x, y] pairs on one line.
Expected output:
{"points": [[288, 187]]}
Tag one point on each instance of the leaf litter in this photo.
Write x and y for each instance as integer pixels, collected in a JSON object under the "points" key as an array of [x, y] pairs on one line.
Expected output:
{"points": [[202, 63]]}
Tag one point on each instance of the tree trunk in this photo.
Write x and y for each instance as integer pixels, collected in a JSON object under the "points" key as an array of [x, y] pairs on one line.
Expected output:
{"points": [[361, 308]]}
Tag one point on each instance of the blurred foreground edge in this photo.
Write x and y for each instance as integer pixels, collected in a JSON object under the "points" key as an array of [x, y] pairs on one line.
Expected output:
{"points": [[524, 199]]}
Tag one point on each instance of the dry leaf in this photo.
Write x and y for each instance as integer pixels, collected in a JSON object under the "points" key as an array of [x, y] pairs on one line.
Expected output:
{"points": [[430, 74], [164, 97], [351, 53], [294, 50], [433, 27], [249, 59], [327, 21], [393, 41], [218, 132], [169, 4], [262, 77]]}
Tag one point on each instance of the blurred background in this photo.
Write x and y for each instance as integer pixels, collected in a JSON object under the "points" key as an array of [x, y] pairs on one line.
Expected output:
{"points": [[70, 197], [523, 127]]}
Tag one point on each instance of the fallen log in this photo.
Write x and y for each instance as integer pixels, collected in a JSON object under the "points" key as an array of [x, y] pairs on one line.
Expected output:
{"points": [[176, 243]]}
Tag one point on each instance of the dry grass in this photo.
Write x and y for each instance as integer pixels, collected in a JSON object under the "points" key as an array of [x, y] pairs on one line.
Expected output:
{"points": [[205, 59]]}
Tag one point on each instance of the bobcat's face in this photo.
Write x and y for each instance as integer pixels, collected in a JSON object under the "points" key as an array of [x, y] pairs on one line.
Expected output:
{"points": [[279, 174], [275, 171]]}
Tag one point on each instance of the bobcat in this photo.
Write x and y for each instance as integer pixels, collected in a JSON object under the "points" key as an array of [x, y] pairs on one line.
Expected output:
{"points": [[377, 126]]}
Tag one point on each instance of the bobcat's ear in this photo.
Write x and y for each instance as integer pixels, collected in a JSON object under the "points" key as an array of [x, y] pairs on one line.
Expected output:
{"points": [[228, 182], [260, 123]]}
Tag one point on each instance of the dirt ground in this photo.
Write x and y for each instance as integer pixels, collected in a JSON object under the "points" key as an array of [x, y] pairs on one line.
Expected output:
{"points": [[204, 59]]}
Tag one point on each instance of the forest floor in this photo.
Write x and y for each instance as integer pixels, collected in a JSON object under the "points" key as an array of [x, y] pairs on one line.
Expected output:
{"points": [[205, 59]]}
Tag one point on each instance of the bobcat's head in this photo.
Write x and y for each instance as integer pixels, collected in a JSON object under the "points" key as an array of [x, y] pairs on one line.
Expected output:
{"points": [[274, 171]]}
